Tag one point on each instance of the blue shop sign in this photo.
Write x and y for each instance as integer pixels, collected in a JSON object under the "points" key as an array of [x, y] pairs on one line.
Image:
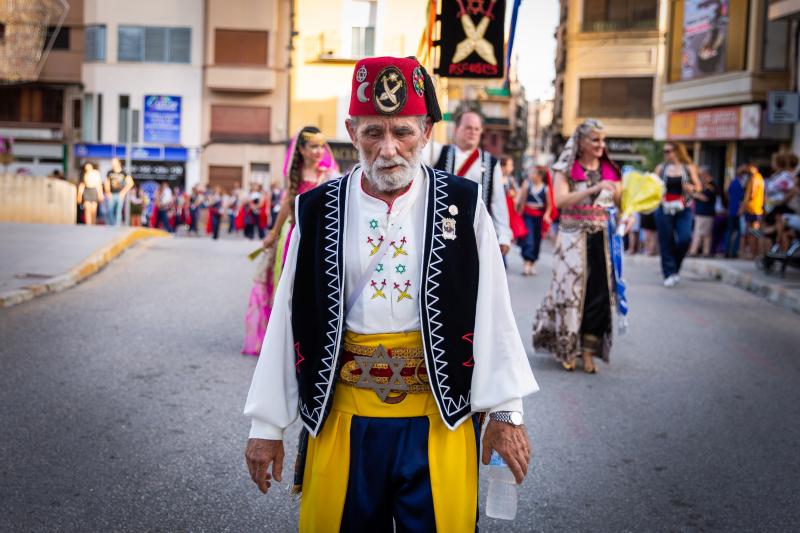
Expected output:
{"points": [[162, 119], [140, 153]]}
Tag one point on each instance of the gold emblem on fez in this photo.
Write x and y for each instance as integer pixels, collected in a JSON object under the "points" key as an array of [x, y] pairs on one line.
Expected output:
{"points": [[449, 228], [389, 91]]}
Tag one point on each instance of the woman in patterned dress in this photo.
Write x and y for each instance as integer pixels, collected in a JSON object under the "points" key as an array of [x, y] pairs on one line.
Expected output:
{"points": [[574, 318], [309, 162]]}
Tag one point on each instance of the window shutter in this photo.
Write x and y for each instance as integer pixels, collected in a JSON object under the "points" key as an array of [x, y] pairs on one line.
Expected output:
{"points": [[180, 41], [131, 43], [155, 45]]}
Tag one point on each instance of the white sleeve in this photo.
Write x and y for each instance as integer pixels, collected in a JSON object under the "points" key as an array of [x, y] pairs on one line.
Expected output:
{"points": [[502, 375], [500, 208], [272, 402]]}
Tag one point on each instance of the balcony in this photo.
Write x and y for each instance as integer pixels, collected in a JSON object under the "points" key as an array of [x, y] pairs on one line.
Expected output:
{"points": [[240, 79]]}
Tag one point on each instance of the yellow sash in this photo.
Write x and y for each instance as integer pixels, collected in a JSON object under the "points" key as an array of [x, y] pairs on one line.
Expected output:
{"points": [[452, 455]]}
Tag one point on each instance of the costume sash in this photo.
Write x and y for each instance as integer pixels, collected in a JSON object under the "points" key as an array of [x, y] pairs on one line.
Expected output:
{"points": [[465, 166], [615, 248]]}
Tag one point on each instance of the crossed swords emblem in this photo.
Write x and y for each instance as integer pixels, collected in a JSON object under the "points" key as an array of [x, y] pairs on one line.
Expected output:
{"points": [[389, 101], [474, 41]]}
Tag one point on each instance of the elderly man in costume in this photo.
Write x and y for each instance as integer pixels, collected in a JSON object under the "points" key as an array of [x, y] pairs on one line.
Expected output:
{"points": [[466, 158], [392, 330]]}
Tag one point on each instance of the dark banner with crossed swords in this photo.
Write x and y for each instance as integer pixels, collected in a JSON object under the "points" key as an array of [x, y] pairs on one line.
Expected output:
{"points": [[471, 42]]}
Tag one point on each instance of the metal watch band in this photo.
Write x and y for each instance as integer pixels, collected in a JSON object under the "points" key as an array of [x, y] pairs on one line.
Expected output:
{"points": [[503, 416]]}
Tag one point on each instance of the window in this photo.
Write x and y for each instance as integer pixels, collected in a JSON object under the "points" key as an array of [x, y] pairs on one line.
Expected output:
{"points": [[95, 43], [616, 97], [52, 106], [240, 124], [153, 44], [62, 38], [240, 47], [615, 15], [2, 31], [363, 18], [776, 43], [9, 104]]}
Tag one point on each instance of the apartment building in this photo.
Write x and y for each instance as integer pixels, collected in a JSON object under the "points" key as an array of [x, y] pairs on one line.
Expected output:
{"points": [[724, 60], [609, 66], [42, 116], [245, 91], [143, 87]]}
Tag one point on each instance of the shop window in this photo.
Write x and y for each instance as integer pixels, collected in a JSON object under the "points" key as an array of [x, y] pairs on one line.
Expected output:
{"points": [[240, 124], [240, 47], [153, 44], [616, 97], [618, 15], [95, 43]]}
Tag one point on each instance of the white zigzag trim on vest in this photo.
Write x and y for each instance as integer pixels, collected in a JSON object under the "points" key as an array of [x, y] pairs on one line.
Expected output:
{"points": [[451, 406], [331, 258]]}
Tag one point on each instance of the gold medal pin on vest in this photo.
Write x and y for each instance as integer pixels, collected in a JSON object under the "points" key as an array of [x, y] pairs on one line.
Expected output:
{"points": [[449, 228]]}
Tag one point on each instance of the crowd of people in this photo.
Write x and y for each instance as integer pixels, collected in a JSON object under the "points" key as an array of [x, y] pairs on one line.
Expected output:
{"points": [[193, 212]]}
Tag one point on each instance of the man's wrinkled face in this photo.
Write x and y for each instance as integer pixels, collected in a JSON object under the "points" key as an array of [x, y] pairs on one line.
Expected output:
{"points": [[389, 148]]}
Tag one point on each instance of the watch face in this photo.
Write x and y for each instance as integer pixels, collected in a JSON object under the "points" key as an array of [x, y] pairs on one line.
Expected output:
{"points": [[516, 418]]}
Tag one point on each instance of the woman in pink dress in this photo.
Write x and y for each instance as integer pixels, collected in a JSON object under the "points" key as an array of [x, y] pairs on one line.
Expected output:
{"points": [[309, 162]]}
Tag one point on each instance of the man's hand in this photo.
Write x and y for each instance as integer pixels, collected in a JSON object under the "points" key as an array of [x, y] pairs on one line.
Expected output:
{"points": [[504, 249], [259, 455], [511, 443]]}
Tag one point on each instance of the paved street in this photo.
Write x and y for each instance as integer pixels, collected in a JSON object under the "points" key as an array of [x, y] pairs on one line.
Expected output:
{"points": [[121, 408]]}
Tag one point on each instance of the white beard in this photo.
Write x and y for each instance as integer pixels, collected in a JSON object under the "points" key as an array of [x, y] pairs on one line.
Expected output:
{"points": [[387, 182]]}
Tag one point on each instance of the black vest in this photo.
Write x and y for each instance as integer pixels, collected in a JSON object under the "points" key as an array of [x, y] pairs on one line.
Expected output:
{"points": [[447, 160], [447, 300]]}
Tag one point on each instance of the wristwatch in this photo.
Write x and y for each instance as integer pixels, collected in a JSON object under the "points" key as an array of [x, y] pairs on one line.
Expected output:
{"points": [[509, 417]]}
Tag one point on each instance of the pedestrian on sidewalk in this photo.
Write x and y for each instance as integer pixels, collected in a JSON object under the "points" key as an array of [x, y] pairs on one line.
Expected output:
{"points": [[384, 448], [575, 318], [752, 209], [533, 203], [117, 184], [674, 215], [164, 206], [138, 203], [90, 193], [704, 210], [735, 225]]}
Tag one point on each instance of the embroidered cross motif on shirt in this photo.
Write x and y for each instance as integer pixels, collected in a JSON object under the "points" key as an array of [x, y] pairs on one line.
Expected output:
{"points": [[378, 289], [404, 294], [400, 269], [375, 246], [398, 250]]}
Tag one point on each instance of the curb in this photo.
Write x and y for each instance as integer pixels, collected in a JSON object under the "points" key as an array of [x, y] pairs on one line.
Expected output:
{"points": [[85, 269], [772, 292]]}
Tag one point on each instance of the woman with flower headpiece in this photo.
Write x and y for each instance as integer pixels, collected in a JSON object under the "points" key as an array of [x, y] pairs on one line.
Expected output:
{"points": [[574, 318], [309, 162]]}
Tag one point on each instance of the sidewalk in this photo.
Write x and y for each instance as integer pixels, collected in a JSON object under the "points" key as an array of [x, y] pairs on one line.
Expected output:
{"points": [[743, 274], [38, 259]]}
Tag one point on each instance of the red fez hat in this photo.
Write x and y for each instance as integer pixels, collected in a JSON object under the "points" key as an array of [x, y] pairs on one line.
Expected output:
{"points": [[393, 86]]}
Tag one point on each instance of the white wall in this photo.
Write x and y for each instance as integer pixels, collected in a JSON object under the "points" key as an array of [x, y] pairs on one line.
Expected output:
{"points": [[112, 78]]}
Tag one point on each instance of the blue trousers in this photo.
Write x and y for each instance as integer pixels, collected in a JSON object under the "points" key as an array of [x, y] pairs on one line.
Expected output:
{"points": [[114, 212], [533, 240], [674, 238], [734, 230], [389, 476]]}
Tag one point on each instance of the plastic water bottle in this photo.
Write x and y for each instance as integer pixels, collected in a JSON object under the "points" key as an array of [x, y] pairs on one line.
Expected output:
{"points": [[501, 502]]}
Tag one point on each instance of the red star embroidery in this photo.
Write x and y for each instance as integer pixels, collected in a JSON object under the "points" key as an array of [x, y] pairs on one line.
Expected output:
{"points": [[469, 363], [300, 357]]}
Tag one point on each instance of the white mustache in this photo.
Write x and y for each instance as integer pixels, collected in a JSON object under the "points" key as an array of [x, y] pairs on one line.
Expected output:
{"points": [[386, 163]]}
